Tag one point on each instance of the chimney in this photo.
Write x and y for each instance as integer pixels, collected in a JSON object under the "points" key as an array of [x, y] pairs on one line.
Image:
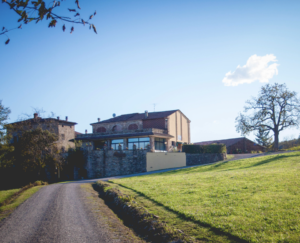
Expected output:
{"points": [[85, 131], [58, 118], [146, 114], [98, 119], [35, 115], [66, 118]]}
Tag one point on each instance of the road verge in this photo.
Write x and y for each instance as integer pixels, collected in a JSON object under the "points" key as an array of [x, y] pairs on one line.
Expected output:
{"points": [[147, 225]]}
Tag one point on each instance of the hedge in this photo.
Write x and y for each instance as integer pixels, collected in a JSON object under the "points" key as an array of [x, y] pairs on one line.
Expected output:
{"points": [[204, 149]]}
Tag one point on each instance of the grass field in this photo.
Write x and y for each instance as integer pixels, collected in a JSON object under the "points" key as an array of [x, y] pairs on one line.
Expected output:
{"points": [[6, 194], [256, 200]]}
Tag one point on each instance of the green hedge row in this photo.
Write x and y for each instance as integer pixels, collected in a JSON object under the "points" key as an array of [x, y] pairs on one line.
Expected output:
{"points": [[204, 149]]}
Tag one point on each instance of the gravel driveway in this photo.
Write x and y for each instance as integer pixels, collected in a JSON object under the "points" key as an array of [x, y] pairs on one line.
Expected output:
{"points": [[59, 213]]}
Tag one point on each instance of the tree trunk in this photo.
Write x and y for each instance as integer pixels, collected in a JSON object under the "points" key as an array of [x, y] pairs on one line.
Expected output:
{"points": [[276, 140]]}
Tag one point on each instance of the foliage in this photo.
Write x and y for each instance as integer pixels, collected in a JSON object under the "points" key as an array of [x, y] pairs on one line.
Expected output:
{"points": [[289, 143], [38, 10], [250, 200], [263, 138], [35, 149], [76, 157], [296, 148], [204, 149], [4, 113], [275, 109]]}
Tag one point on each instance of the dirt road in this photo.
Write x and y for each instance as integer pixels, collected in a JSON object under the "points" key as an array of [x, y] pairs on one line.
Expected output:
{"points": [[62, 213]]}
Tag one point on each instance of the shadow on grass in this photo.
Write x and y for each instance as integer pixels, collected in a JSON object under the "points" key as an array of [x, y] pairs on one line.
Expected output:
{"points": [[273, 159], [180, 215]]}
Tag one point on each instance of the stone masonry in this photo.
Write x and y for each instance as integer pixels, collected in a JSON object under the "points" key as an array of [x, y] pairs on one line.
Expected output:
{"points": [[105, 163], [199, 159]]}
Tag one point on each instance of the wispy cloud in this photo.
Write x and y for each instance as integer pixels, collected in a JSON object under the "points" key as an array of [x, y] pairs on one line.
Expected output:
{"points": [[256, 68]]}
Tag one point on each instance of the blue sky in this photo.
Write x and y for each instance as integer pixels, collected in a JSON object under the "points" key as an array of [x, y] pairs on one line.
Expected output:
{"points": [[172, 53]]}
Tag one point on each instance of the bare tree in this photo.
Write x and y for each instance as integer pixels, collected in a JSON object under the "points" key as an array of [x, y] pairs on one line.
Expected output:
{"points": [[275, 109], [38, 10]]}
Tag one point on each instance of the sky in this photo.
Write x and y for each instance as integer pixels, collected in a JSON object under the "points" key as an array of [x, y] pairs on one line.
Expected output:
{"points": [[206, 58]]}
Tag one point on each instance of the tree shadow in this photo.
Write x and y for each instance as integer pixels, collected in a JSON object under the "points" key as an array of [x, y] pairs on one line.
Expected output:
{"points": [[270, 160], [180, 215]]}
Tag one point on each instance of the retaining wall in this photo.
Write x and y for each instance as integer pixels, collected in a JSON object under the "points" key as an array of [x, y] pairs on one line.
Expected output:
{"points": [[107, 163], [200, 159]]}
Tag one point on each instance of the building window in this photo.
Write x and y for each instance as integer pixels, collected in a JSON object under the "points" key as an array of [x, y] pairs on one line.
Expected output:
{"points": [[101, 129], [115, 144], [139, 142], [160, 144], [132, 127], [117, 128], [62, 136]]}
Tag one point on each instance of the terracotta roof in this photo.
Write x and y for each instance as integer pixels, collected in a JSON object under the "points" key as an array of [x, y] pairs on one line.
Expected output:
{"points": [[138, 116], [44, 120], [227, 142]]}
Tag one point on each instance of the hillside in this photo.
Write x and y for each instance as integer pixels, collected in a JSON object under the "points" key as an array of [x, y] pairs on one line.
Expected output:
{"points": [[256, 200]]}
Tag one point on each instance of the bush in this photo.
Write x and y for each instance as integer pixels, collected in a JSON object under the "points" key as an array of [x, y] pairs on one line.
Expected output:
{"points": [[204, 149], [40, 183]]}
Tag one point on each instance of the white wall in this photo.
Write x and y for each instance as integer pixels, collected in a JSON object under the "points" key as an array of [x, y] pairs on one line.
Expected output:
{"points": [[160, 161]]}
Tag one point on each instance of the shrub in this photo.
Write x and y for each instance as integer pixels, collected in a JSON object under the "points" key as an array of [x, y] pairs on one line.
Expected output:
{"points": [[204, 149]]}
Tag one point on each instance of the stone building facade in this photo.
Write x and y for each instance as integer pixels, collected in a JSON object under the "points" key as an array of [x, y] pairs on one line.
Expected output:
{"points": [[64, 129], [162, 131]]}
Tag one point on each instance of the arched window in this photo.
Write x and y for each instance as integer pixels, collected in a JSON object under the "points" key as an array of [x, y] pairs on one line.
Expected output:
{"points": [[132, 127], [116, 128], [101, 129]]}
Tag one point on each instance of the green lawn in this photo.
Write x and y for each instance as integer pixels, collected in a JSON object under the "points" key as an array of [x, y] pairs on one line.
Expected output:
{"points": [[256, 200], [6, 194]]}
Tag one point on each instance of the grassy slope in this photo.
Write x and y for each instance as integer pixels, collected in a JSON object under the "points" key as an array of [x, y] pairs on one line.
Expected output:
{"points": [[257, 199], [7, 209], [6, 194]]}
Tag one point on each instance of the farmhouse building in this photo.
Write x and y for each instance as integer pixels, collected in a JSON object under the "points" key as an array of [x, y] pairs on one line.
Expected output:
{"points": [[64, 129], [162, 131], [236, 145]]}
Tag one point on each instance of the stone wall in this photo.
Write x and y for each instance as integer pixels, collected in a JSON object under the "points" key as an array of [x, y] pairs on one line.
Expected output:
{"points": [[200, 159], [107, 163]]}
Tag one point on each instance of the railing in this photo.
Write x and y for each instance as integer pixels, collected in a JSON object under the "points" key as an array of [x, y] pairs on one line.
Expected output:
{"points": [[124, 132]]}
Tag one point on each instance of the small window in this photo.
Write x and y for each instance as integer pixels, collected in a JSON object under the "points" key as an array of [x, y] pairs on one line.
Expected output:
{"points": [[62, 136]]}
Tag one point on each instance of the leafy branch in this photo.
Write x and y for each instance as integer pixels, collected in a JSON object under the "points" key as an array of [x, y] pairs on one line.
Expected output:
{"points": [[38, 10]]}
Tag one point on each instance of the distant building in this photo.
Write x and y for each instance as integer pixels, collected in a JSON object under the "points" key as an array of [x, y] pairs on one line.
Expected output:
{"points": [[64, 129], [236, 145], [162, 131]]}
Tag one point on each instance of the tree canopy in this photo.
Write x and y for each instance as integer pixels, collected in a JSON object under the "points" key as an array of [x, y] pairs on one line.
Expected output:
{"points": [[4, 113], [275, 109], [38, 10]]}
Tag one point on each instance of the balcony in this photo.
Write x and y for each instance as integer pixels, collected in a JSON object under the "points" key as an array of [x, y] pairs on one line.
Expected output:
{"points": [[124, 133]]}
